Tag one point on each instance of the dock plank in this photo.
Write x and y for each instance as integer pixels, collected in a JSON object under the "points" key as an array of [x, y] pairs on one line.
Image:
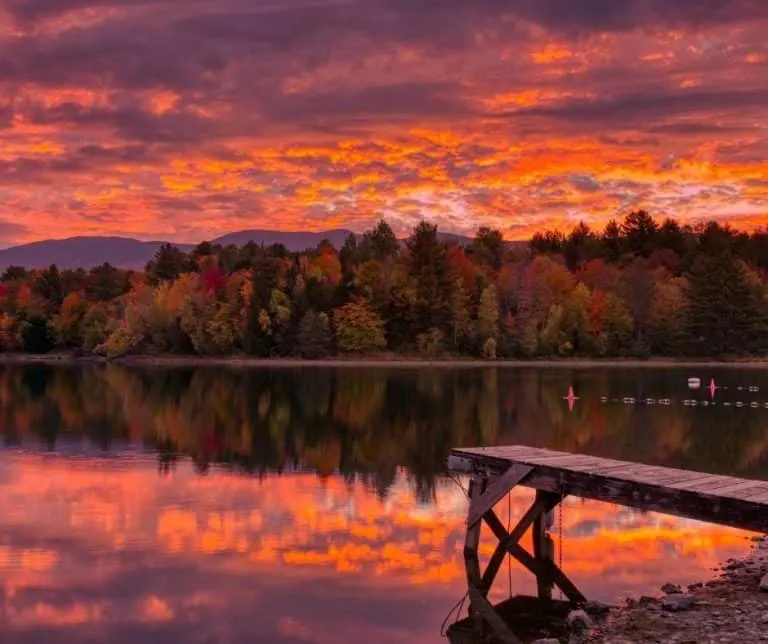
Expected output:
{"points": [[726, 500]]}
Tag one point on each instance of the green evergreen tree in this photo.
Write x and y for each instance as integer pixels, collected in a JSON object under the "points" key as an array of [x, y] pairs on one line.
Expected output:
{"points": [[431, 270], [258, 339], [726, 310], [168, 263]]}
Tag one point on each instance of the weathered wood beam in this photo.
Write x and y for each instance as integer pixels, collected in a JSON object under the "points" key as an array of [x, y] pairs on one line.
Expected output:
{"points": [[538, 509], [543, 568], [499, 488], [487, 612], [543, 547], [738, 513]]}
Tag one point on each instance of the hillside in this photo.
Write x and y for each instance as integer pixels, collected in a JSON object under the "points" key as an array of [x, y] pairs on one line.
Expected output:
{"points": [[124, 252], [82, 252]]}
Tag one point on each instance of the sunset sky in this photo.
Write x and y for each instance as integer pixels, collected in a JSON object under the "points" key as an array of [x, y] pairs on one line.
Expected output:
{"points": [[187, 119]]}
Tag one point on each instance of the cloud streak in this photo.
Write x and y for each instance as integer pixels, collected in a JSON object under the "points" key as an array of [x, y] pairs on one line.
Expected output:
{"points": [[191, 119]]}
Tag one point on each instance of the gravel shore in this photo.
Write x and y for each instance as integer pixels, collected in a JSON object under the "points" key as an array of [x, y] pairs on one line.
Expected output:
{"points": [[733, 608]]}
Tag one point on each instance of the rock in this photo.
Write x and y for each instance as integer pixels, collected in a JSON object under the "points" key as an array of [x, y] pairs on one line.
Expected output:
{"points": [[645, 600], [596, 608], [676, 602], [671, 589], [578, 620], [764, 584]]}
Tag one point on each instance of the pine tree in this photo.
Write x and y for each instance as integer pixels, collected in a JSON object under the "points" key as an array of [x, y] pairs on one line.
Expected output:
{"points": [[726, 310], [431, 270]]}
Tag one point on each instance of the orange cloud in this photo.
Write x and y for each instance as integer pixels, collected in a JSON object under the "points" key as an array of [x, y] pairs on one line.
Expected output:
{"points": [[518, 118]]}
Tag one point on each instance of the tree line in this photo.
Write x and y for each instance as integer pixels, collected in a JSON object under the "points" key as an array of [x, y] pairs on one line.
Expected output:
{"points": [[636, 288]]}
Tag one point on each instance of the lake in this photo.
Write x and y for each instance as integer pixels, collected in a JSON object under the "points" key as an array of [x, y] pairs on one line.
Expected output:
{"points": [[304, 505]]}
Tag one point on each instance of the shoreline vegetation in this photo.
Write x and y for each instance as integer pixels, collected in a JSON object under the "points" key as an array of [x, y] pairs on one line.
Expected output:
{"points": [[376, 361], [636, 290]]}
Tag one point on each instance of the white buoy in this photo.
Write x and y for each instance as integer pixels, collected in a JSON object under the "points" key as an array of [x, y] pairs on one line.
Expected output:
{"points": [[694, 383]]}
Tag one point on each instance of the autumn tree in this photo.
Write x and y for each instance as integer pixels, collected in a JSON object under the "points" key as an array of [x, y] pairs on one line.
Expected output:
{"points": [[358, 328], [488, 315], [67, 324], [667, 318]]}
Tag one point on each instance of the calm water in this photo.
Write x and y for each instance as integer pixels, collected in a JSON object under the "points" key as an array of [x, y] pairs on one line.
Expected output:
{"points": [[309, 505]]}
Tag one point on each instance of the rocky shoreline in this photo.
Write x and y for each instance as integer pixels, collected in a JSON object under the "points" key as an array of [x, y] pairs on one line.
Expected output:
{"points": [[732, 608]]}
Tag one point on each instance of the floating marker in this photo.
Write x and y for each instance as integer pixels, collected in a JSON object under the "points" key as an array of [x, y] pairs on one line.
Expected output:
{"points": [[571, 398], [650, 401], [603, 399], [726, 404], [694, 383], [753, 404], [739, 404], [712, 387], [628, 401]]}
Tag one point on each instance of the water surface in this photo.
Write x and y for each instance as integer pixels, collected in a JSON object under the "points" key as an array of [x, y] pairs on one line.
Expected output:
{"points": [[309, 505]]}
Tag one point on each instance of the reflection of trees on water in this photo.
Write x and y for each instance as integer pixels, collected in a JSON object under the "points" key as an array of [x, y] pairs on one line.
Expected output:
{"points": [[366, 423]]}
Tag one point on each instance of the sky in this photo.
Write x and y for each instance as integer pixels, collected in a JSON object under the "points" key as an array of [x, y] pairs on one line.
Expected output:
{"points": [[187, 119]]}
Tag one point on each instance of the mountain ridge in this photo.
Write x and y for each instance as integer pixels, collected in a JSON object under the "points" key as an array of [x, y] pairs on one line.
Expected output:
{"points": [[127, 252]]}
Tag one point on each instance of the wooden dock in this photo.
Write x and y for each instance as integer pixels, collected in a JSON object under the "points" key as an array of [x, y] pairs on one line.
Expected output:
{"points": [[495, 471]]}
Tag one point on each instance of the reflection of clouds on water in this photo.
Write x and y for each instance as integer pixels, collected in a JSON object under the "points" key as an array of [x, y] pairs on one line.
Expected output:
{"points": [[102, 546], [585, 528]]}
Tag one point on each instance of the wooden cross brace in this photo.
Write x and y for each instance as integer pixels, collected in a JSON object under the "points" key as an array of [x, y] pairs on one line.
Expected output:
{"points": [[483, 497]]}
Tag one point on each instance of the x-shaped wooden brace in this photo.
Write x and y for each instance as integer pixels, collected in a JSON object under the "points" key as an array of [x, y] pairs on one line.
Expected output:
{"points": [[482, 501]]}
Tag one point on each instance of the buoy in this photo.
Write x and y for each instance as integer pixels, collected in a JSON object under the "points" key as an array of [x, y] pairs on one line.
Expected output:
{"points": [[628, 401], [753, 404], [694, 383], [603, 399], [726, 404], [739, 404], [571, 398], [712, 387], [650, 401]]}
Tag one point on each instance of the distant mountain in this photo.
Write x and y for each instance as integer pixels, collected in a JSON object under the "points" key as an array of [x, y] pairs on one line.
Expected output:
{"points": [[293, 241], [123, 252], [82, 252]]}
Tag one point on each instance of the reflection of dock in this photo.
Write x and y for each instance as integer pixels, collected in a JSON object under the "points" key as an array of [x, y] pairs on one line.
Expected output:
{"points": [[496, 471]]}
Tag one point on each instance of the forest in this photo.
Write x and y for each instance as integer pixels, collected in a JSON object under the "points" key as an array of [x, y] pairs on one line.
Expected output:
{"points": [[638, 288]]}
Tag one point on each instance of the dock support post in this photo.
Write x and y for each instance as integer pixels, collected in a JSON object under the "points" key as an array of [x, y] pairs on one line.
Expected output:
{"points": [[483, 495]]}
